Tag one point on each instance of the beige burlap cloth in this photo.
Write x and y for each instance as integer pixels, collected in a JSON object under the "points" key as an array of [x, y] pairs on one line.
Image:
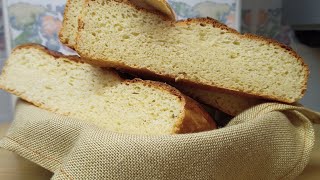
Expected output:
{"points": [[269, 141]]}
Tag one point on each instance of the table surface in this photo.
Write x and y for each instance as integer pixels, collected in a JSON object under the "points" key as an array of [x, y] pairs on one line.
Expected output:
{"points": [[14, 167]]}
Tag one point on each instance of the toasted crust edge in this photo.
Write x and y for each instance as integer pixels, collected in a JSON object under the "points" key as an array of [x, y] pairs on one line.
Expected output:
{"points": [[62, 39], [55, 54]]}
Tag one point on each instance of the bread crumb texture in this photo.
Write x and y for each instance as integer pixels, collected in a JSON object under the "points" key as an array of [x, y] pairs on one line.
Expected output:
{"points": [[202, 51], [97, 95], [69, 29]]}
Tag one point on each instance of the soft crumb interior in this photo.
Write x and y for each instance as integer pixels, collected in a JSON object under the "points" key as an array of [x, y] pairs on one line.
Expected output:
{"points": [[70, 22], [92, 94], [199, 52]]}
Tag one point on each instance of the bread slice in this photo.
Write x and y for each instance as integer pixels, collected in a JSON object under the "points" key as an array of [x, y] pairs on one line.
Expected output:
{"points": [[65, 85], [232, 104], [67, 34], [202, 52], [228, 103]]}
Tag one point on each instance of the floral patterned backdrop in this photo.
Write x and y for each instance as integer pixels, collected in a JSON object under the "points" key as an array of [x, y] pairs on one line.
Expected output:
{"points": [[264, 18], [39, 21], [36, 21], [224, 11]]}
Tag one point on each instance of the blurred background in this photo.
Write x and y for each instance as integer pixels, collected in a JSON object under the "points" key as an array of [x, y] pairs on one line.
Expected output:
{"points": [[292, 22]]}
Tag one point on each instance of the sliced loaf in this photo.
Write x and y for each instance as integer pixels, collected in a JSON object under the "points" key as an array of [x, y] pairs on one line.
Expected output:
{"points": [[67, 86], [232, 104], [67, 34], [229, 103], [203, 52]]}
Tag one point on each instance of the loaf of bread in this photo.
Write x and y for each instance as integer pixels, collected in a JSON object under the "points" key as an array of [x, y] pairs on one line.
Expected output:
{"points": [[67, 86], [201, 52], [68, 32], [232, 104]]}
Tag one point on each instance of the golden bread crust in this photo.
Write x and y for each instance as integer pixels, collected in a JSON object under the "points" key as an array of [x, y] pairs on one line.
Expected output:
{"points": [[63, 39], [196, 119], [48, 51]]}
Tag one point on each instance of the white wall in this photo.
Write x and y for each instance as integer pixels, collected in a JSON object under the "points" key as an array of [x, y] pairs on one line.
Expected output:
{"points": [[5, 107]]}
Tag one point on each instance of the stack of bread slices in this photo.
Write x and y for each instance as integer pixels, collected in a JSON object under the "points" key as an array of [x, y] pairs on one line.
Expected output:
{"points": [[201, 57]]}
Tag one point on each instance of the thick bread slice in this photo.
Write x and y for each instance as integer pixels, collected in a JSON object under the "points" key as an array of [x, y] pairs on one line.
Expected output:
{"points": [[232, 104], [202, 52], [67, 34], [65, 85], [229, 103]]}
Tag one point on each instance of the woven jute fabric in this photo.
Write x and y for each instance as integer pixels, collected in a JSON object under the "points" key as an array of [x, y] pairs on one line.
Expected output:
{"points": [[269, 141]]}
